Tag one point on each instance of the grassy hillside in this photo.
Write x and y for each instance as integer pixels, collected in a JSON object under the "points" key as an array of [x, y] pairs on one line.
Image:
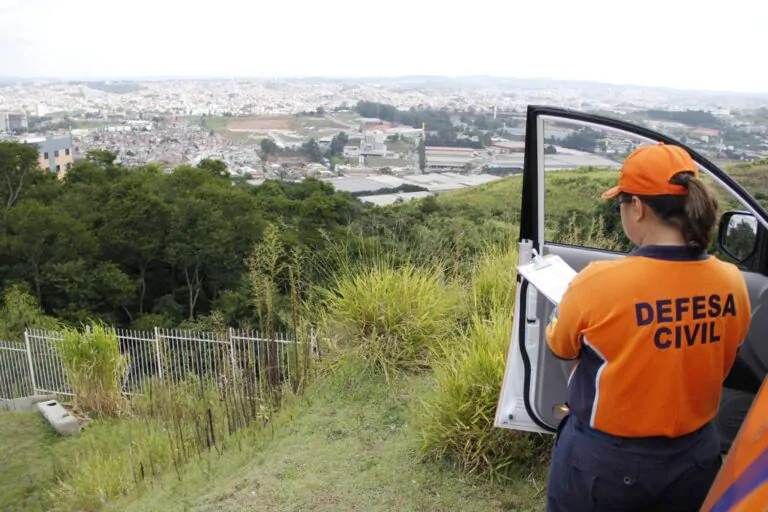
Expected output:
{"points": [[399, 414], [569, 191], [347, 445]]}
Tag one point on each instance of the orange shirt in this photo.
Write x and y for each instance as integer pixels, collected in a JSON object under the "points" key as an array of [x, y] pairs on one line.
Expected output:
{"points": [[742, 484], [655, 333]]}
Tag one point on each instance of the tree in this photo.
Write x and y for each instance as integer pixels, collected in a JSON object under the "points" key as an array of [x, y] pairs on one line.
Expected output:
{"points": [[85, 291], [40, 235], [337, 144], [311, 149], [137, 246], [584, 139], [268, 148], [135, 226], [101, 157], [740, 240], [216, 167], [212, 224], [21, 311], [422, 151], [17, 162]]}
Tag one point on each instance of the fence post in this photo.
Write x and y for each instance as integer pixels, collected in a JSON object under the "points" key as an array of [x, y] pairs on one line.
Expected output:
{"points": [[232, 350], [314, 348], [29, 361], [157, 353]]}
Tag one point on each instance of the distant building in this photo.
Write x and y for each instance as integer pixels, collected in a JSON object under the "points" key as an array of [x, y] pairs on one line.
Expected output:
{"points": [[13, 122], [449, 158], [406, 132], [373, 144], [512, 146], [54, 154], [352, 150]]}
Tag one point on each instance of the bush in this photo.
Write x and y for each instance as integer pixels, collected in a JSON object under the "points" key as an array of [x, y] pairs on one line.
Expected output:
{"points": [[492, 282], [21, 310], [95, 368], [456, 416], [392, 316]]}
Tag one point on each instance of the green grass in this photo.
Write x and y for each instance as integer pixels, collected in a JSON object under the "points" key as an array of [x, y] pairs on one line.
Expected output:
{"points": [[216, 123], [219, 125], [565, 191], [349, 445], [572, 191], [27, 471], [754, 178], [95, 368]]}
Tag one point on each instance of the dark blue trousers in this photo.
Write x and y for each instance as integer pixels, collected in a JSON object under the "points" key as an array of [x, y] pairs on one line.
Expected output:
{"points": [[593, 471]]}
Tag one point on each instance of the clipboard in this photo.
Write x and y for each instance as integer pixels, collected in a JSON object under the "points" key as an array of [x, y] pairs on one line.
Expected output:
{"points": [[549, 274]]}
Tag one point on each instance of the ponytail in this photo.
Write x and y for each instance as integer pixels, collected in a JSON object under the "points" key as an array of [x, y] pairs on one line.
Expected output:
{"points": [[701, 210], [694, 214]]}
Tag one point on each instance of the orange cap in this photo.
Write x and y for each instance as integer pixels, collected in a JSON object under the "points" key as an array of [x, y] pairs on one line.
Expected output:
{"points": [[649, 169]]}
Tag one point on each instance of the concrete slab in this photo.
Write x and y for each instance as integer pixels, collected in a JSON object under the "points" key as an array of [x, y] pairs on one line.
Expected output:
{"points": [[59, 418], [25, 403]]}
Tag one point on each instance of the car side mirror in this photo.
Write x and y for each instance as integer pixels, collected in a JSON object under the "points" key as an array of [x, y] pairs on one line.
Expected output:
{"points": [[737, 235]]}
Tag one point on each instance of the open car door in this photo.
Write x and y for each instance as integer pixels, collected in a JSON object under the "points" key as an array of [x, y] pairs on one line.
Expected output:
{"points": [[570, 158]]}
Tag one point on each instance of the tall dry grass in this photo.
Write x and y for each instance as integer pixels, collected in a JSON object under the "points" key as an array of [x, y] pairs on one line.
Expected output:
{"points": [[95, 368], [170, 426]]}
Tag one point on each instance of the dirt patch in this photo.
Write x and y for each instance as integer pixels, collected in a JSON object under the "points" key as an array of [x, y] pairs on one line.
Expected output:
{"points": [[260, 123]]}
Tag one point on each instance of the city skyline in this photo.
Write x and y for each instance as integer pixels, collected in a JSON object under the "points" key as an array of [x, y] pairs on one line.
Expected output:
{"points": [[371, 78]]}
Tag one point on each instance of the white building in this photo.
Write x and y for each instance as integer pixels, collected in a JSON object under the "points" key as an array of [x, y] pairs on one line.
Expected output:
{"points": [[373, 144], [13, 121]]}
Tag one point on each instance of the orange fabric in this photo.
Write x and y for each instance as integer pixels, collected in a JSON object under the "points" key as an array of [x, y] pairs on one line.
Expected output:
{"points": [[648, 170], [655, 339], [750, 445]]}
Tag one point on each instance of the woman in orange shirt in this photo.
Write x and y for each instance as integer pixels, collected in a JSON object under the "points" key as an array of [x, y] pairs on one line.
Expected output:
{"points": [[655, 334]]}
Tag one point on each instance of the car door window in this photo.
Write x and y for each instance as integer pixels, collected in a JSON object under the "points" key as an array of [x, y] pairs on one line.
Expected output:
{"points": [[582, 160]]}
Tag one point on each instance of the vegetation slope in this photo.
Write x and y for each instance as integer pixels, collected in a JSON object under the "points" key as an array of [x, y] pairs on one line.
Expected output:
{"points": [[413, 303]]}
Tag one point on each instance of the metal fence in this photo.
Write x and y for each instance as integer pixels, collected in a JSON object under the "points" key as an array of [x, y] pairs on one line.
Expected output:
{"points": [[35, 367]]}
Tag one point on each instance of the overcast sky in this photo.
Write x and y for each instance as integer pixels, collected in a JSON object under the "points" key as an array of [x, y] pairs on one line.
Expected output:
{"points": [[676, 43]]}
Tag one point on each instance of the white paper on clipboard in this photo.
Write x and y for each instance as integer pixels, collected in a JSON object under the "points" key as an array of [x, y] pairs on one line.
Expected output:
{"points": [[550, 274]]}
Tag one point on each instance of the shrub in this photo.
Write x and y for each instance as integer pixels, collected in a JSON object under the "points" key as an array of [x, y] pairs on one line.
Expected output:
{"points": [[21, 310], [392, 316], [456, 416], [492, 281], [95, 368]]}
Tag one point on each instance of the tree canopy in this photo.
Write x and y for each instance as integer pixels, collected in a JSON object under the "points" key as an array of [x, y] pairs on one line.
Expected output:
{"points": [[122, 244]]}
